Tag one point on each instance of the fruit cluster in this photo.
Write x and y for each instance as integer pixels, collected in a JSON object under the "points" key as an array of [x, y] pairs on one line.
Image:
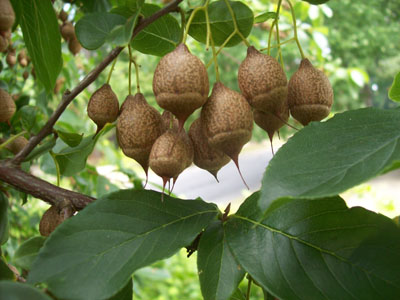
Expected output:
{"points": [[67, 31], [181, 85], [7, 18]]}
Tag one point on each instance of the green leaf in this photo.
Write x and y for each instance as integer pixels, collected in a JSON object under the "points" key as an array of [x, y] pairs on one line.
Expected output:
{"points": [[221, 23], [92, 30], [327, 158], [238, 295], [70, 138], [27, 252], [122, 34], [40, 150], [265, 17], [20, 291], [319, 249], [126, 293], [394, 92], [95, 5], [316, 2], [219, 273], [5, 272], [72, 160], [17, 12], [160, 37], [3, 218], [114, 236], [27, 116], [42, 38]]}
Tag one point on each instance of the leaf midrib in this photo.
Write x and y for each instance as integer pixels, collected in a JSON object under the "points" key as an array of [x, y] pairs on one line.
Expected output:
{"points": [[321, 250], [132, 239]]}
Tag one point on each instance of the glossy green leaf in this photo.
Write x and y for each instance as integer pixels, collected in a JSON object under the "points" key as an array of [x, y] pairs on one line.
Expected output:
{"points": [[92, 30], [394, 92], [221, 23], [5, 272], [114, 236], [72, 160], [160, 37], [265, 17], [27, 252], [316, 2], [20, 291], [42, 38], [219, 273], [3, 218], [70, 138], [319, 249], [327, 158]]}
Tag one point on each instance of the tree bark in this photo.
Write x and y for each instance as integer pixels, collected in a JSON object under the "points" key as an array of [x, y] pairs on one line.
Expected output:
{"points": [[38, 188]]}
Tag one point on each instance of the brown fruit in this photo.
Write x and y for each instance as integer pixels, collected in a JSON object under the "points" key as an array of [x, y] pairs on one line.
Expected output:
{"points": [[17, 145], [205, 157], [138, 127], [310, 94], [180, 83], [11, 58], [63, 16], [103, 106], [23, 59], [169, 121], [7, 106], [171, 153], [49, 221], [270, 122], [3, 44], [7, 15], [227, 121], [74, 46], [68, 31], [7, 34], [25, 75], [262, 81]]}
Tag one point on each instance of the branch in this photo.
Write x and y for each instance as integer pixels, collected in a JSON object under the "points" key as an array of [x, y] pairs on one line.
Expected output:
{"points": [[68, 96], [38, 188]]}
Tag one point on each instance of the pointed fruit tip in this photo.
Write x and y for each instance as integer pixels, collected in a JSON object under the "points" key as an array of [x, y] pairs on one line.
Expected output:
{"points": [[213, 173], [165, 180], [235, 159]]}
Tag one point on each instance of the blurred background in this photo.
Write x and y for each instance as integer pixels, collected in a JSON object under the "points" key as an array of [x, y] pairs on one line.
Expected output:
{"points": [[356, 44]]}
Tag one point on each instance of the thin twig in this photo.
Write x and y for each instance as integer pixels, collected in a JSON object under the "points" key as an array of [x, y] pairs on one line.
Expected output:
{"points": [[68, 96]]}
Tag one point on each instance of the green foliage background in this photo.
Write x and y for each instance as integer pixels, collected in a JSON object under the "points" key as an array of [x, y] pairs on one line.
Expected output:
{"points": [[355, 42]]}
